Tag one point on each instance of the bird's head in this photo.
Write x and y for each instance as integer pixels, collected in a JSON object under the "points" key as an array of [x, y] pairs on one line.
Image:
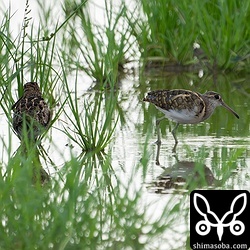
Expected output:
{"points": [[215, 100]]}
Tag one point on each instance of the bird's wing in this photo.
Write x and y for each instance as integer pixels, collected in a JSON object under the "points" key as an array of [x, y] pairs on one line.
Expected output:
{"points": [[179, 100]]}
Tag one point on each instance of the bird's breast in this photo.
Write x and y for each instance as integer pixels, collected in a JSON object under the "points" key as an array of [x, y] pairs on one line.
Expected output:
{"points": [[183, 116]]}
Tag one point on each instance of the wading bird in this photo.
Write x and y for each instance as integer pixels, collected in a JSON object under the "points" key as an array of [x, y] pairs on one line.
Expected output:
{"points": [[184, 107], [31, 113]]}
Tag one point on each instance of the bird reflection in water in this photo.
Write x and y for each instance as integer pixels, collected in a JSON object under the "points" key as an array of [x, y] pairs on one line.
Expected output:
{"points": [[185, 175]]}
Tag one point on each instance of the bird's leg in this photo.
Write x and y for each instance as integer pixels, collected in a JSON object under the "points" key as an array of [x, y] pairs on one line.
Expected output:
{"points": [[174, 148], [173, 132], [158, 142], [175, 138], [157, 161]]}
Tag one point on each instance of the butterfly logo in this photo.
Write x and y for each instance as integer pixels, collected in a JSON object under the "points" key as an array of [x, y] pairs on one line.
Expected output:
{"points": [[203, 227]]}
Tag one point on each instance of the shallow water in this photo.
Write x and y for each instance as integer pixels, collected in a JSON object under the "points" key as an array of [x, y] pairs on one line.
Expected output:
{"points": [[218, 148]]}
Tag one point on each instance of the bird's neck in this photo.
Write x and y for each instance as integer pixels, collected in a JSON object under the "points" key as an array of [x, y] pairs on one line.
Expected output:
{"points": [[32, 93], [209, 108]]}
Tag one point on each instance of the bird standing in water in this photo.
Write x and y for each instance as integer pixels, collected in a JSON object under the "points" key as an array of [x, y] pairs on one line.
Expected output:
{"points": [[185, 107], [31, 113]]}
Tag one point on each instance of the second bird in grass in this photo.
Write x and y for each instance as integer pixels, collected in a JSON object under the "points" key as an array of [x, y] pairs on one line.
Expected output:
{"points": [[185, 107], [31, 113]]}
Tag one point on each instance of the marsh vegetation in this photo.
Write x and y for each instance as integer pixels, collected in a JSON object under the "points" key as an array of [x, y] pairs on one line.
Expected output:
{"points": [[94, 62]]}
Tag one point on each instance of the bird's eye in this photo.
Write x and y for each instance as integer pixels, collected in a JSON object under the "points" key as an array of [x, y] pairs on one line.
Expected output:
{"points": [[217, 97]]}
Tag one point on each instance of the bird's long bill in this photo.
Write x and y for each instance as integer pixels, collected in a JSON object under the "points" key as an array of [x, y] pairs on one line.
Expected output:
{"points": [[228, 108]]}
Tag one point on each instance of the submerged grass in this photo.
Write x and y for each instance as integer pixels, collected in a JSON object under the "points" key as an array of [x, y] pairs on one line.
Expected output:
{"points": [[87, 204], [93, 121], [73, 215], [84, 205]]}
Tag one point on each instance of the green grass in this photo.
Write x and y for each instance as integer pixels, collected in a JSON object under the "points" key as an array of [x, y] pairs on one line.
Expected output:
{"points": [[161, 28], [91, 201], [167, 30], [83, 205], [75, 215], [227, 43], [94, 128], [103, 48]]}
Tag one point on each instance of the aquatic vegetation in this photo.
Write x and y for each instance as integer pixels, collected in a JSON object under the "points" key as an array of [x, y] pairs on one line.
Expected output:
{"points": [[168, 31], [91, 182], [102, 49]]}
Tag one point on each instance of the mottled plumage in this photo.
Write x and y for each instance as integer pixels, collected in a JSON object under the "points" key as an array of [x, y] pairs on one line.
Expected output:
{"points": [[185, 106], [31, 111]]}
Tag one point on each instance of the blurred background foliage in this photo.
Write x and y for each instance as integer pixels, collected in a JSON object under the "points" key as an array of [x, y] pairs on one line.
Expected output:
{"points": [[94, 62]]}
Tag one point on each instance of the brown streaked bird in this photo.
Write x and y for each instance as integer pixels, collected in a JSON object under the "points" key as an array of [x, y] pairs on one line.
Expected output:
{"points": [[32, 112], [185, 107]]}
